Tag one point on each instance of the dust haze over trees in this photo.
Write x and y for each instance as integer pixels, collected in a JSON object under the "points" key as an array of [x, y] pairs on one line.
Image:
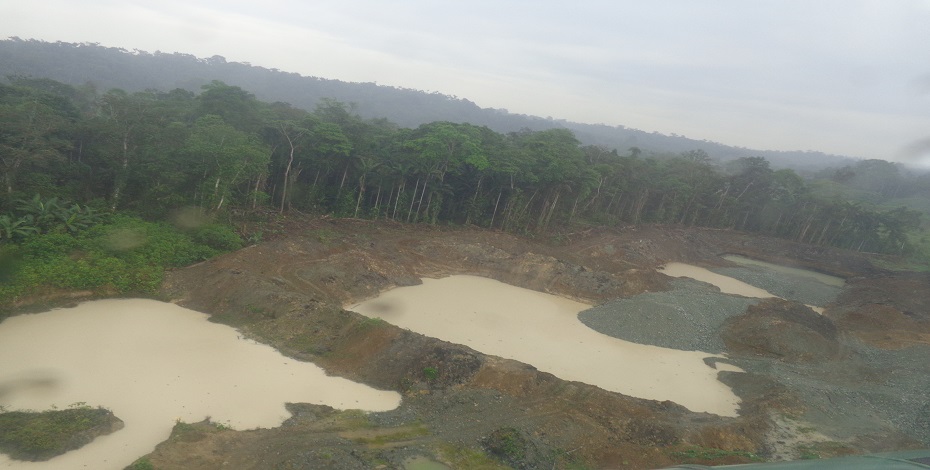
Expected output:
{"points": [[225, 152], [108, 67]]}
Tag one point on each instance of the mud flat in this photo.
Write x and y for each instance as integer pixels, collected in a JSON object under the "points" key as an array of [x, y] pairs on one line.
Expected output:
{"points": [[152, 364], [543, 330]]}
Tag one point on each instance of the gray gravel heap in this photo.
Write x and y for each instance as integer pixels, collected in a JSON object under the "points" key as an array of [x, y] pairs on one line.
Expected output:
{"points": [[686, 317]]}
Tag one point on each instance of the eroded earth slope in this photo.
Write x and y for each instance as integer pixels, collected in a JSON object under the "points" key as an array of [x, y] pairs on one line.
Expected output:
{"points": [[852, 380]]}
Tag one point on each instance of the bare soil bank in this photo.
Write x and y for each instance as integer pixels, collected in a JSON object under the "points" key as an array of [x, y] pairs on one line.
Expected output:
{"points": [[288, 291]]}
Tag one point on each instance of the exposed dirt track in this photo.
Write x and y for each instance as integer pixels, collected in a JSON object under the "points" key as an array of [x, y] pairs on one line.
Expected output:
{"points": [[288, 292]]}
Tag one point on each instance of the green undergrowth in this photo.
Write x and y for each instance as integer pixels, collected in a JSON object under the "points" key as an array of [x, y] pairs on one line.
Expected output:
{"points": [[122, 256], [703, 455], [193, 432], [41, 435], [465, 457]]}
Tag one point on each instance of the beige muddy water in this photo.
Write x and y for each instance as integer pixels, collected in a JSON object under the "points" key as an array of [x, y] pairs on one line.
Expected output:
{"points": [[729, 285], [543, 330], [726, 284], [153, 363]]}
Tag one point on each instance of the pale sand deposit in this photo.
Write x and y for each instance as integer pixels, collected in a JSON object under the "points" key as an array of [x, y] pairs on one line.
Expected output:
{"points": [[543, 330], [153, 363]]}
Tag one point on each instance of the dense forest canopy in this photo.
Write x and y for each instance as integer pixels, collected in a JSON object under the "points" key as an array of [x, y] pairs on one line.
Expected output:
{"points": [[153, 152], [107, 68]]}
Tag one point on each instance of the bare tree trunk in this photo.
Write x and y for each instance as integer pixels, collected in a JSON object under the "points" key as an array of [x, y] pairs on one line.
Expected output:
{"points": [[574, 208], [258, 179], [400, 190], [378, 201], [413, 199], [494, 214], [473, 199], [416, 214], [287, 174], [361, 192]]}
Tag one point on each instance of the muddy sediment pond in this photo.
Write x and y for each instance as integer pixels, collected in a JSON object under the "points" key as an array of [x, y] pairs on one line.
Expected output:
{"points": [[544, 331], [759, 279], [153, 364], [726, 284]]}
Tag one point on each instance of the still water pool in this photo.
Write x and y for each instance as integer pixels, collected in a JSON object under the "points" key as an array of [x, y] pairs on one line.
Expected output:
{"points": [[153, 363], [543, 330]]}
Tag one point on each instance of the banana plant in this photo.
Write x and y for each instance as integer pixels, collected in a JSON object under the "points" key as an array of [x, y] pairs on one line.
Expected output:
{"points": [[22, 227]]}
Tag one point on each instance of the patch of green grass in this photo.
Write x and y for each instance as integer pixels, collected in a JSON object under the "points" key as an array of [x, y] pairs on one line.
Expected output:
{"points": [[141, 464], [193, 432], [405, 434], [354, 419], [371, 322], [698, 453], [466, 457], [508, 444], [824, 449], [430, 373], [36, 436], [808, 454]]}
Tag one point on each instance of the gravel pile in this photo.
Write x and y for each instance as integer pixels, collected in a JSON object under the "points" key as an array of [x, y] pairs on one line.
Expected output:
{"points": [[867, 392], [686, 317]]}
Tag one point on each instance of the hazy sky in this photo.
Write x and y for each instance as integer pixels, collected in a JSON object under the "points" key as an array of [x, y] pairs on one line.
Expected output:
{"points": [[839, 76]]}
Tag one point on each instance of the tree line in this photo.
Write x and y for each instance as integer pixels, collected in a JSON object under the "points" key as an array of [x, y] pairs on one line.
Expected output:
{"points": [[136, 70], [223, 151]]}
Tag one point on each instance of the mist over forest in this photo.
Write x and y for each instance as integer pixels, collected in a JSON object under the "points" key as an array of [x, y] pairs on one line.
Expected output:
{"points": [[97, 140], [109, 67]]}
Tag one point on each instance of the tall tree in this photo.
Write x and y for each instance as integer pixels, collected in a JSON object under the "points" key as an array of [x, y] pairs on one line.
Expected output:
{"points": [[227, 157], [126, 116], [34, 128]]}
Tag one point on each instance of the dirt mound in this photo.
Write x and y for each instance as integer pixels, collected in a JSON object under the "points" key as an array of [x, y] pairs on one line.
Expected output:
{"points": [[783, 330], [889, 311]]}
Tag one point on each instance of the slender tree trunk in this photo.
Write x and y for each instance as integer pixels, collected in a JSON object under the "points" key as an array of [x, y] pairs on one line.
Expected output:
{"points": [[416, 214], [400, 190], [413, 199], [555, 204], [361, 192], [473, 200], [429, 201], [494, 214], [574, 208], [287, 174], [255, 191], [378, 201], [342, 183]]}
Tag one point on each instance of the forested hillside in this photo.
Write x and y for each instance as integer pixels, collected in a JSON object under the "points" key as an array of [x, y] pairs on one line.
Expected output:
{"points": [[153, 152], [106, 68]]}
